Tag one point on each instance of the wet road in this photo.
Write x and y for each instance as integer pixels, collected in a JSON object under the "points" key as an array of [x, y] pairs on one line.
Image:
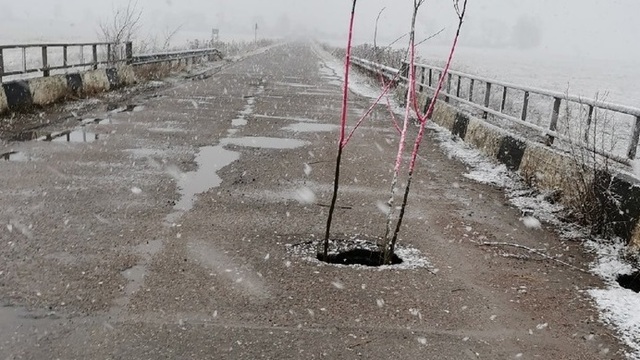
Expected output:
{"points": [[163, 232]]}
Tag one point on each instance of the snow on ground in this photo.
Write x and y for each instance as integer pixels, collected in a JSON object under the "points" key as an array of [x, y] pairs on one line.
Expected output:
{"points": [[412, 258], [618, 306]]}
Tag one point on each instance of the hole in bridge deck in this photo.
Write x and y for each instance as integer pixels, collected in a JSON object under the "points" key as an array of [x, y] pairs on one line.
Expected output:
{"points": [[630, 281], [359, 257]]}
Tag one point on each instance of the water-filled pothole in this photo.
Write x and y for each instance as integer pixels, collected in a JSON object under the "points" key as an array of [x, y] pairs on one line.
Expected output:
{"points": [[265, 142], [359, 257], [310, 127], [210, 160], [630, 281], [27, 135], [14, 156], [73, 136], [359, 251]]}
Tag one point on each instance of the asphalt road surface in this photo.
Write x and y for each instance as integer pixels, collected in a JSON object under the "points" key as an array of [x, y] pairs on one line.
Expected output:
{"points": [[164, 231]]}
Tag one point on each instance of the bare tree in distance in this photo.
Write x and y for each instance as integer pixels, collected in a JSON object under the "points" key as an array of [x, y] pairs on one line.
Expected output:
{"points": [[122, 26]]}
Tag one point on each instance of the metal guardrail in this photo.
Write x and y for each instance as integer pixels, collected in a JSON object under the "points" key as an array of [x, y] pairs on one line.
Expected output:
{"points": [[430, 75], [56, 56], [60, 56], [145, 59]]}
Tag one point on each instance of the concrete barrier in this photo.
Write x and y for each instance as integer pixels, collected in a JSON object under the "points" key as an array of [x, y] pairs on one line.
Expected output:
{"points": [[48, 90], [25, 94], [3, 101], [546, 168]]}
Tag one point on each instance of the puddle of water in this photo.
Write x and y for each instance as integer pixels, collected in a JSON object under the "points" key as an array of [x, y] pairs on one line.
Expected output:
{"points": [[15, 156], [107, 122], [239, 122], [127, 108], [265, 142], [318, 93], [167, 130], [75, 136], [292, 84], [210, 159], [27, 135], [291, 118], [310, 127]]}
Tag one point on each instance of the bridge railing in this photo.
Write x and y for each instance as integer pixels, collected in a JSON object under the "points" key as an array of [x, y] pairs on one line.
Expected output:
{"points": [[145, 59], [45, 59], [513, 103]]}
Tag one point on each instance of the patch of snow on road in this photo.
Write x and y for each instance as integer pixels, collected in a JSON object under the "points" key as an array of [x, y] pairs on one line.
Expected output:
{"points": [[412, 258], [619, 306], [481, 169]]}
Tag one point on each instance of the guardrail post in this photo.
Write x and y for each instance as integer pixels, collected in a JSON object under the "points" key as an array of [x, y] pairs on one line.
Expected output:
{"points": [[129, 52], [430, 77], [525, 106], [94, 50], [404, 70], [449, 77], [589, 120], [487, 100], [471, 90], [503, 104], [421, 80], [65, 56], [458, 86], [45, 62], [553, 126], [24, 59], [109, 53], [1, 64], [633, 146]]}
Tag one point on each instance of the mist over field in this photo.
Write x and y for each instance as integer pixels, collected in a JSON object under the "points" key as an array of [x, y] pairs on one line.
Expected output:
{"points": [[581, 45]]}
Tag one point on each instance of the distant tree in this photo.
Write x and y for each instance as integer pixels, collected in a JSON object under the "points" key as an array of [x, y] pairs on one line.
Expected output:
{"points": [[526, 33], [122, 26]]}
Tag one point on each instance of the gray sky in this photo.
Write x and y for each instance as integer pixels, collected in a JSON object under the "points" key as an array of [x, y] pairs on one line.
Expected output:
{"points": [[599, 28]]}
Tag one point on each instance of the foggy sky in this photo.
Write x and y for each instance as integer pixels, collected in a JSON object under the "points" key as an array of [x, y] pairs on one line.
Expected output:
{"points": [[597, 28]]}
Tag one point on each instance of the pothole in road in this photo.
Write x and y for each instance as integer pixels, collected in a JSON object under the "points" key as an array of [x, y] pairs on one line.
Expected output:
{"points": [[362, 257], [630, 281], [265, 142], [72, 136], [359, 251]]}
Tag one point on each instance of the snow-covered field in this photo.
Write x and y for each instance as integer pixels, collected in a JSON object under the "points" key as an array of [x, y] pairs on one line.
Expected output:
{"points": [[578, 75]]}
